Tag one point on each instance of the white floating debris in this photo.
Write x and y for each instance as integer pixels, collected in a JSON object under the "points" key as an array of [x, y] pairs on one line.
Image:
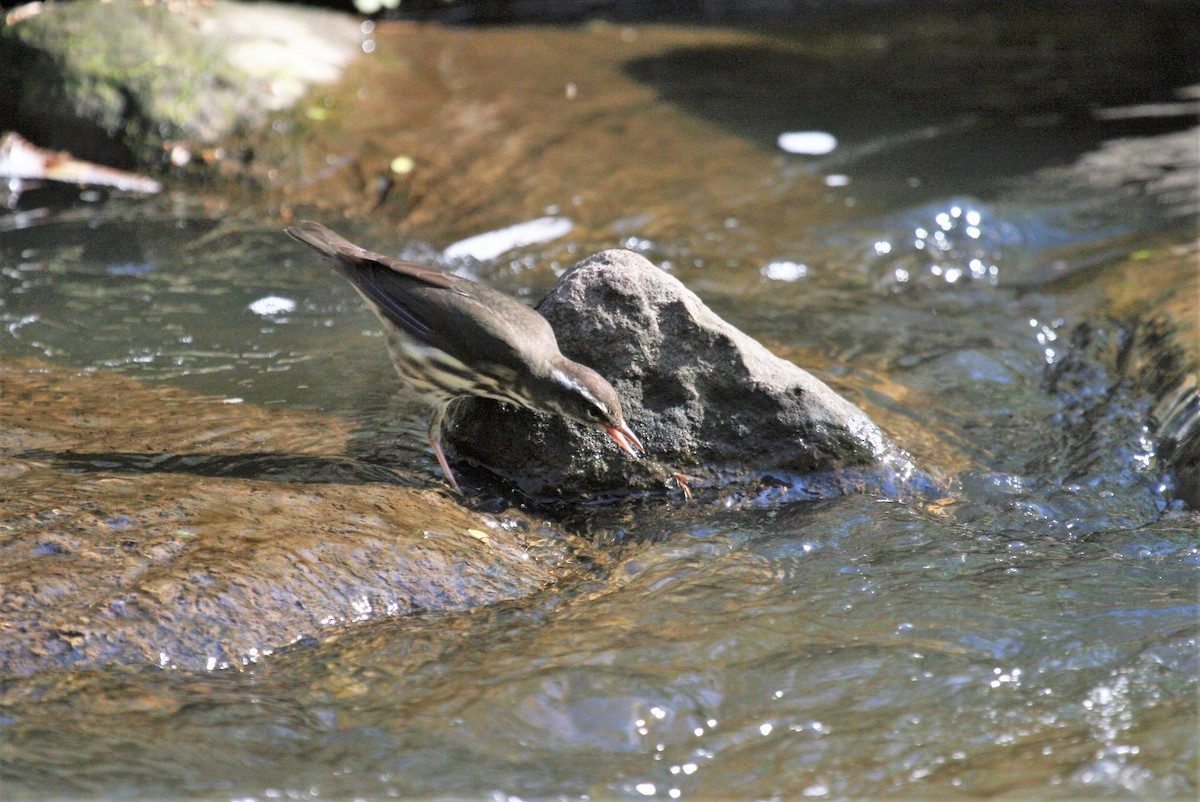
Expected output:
{"points": [[785, 271], [807, 143], [272, 305], [494, 243], [837, 180], [375, 6]]}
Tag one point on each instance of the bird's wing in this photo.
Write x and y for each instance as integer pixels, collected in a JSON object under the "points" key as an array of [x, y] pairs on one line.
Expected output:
{"points": [[386, 283]]}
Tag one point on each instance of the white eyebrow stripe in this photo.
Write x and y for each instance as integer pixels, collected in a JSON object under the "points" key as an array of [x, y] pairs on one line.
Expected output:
{"points": [[571, 384]]}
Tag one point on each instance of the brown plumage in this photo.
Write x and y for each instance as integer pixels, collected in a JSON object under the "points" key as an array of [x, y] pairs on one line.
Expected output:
{"points": [[451, 337]]}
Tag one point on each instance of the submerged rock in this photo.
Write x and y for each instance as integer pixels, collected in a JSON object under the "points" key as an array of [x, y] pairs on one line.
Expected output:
{"points": [[178, 530], [704, 398]]}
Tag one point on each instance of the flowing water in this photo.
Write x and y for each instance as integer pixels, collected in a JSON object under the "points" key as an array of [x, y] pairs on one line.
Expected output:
{"points": [[997, 261]]}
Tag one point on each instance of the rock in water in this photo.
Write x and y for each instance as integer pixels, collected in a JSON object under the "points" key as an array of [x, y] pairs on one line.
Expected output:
{"points": [[703, 396], [120, 83]]}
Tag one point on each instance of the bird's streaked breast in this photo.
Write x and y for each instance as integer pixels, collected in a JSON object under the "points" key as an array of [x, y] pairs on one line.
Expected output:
{"points": [[435, 373]]}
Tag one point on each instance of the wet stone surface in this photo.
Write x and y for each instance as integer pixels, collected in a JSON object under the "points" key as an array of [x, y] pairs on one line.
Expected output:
{"points": [[174, 530]]}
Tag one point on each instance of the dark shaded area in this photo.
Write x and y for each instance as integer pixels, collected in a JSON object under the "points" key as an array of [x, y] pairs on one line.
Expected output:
{"points": [[278, 467], [37, 103], [491, 12], [937, 91]]}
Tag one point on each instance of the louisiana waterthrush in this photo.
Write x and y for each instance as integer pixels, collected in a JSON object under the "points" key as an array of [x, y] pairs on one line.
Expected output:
{"points": [[450, 337]]}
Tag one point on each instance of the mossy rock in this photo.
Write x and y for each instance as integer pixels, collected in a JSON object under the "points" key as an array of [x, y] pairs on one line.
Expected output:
{"points": [[113, 82]]}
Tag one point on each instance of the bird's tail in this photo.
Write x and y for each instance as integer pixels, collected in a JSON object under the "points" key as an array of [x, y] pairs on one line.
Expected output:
{"points": [[325, 242], [359, 265]]}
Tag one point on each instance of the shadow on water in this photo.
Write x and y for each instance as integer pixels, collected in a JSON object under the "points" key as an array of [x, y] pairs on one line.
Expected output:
{"points": [[280, 467], [1022, 85]]}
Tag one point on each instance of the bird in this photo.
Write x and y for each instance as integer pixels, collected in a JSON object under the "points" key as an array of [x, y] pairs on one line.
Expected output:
{"points": [[451, 337]]}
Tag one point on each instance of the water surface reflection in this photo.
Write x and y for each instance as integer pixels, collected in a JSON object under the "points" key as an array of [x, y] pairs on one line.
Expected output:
{"points": [[1041, 615]]}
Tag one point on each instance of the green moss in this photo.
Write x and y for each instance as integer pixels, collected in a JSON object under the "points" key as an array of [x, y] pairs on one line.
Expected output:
{"points": [[124, 53], [134, 75]]}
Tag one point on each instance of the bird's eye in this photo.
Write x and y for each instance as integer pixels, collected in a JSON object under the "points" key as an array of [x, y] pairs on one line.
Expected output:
{"points": [[595, 413]]}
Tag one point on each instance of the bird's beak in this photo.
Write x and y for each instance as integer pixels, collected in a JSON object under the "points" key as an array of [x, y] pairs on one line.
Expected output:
{"points": [[626, 439]]}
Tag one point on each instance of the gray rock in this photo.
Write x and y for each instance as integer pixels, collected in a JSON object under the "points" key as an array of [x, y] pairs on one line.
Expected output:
{"points": [[113, 82], [705, 398]]}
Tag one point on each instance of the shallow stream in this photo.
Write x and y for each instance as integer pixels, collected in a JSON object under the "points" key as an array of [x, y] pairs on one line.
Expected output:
{"points": [[995, 262]]}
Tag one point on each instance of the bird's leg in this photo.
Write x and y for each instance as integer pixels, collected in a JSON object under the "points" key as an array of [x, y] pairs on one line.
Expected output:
{"points": [[435, 442], [681, 480]]}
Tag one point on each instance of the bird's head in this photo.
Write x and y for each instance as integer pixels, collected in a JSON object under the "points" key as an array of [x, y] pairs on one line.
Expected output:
{"points": [[581, 394]]}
